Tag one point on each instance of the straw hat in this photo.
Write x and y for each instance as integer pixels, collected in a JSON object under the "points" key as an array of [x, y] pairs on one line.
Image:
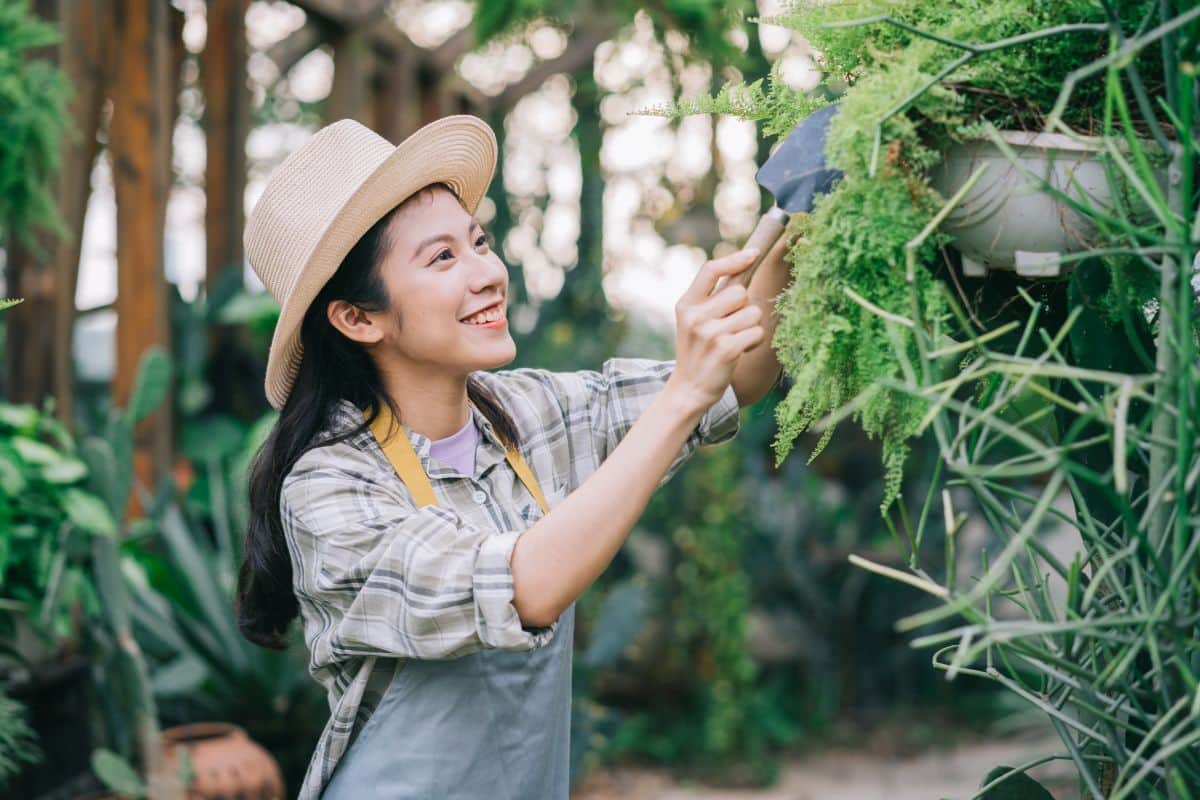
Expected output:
{"points": [[324, 196]]}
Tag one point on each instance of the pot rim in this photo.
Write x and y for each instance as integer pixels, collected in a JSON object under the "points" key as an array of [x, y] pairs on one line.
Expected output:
{"points": [[196, 731], [1040, 140]]}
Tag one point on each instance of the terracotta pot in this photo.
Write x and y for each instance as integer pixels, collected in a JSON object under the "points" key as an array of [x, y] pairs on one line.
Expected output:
{"points": [[226, 762]]}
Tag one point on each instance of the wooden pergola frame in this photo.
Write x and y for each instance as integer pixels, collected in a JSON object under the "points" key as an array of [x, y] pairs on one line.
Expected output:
{"points": [[127, 54]]}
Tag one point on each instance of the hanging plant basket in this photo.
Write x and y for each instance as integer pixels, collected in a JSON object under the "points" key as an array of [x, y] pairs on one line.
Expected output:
{"points": [[1005, 221]]}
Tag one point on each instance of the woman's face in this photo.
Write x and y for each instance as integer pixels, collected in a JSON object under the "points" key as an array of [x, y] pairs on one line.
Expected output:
{"points": [[441, 272]]}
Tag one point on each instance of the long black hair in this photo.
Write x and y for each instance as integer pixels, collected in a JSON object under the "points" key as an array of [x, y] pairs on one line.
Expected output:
{"points": [[333, 368]]}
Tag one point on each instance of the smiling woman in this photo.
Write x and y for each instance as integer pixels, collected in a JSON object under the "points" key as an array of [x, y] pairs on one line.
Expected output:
{"points": [[430, 519]]}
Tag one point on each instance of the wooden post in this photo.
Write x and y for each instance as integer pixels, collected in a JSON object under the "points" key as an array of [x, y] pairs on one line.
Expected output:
{"points": [[226, 126], [139, 146], [353, 65]]}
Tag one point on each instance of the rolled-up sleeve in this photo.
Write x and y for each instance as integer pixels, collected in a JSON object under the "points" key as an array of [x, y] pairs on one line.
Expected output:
{"points": [[389, 579], [600, 406]]}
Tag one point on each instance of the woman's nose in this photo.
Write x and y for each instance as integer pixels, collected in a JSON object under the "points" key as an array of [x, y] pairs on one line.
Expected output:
{"points": [[488, 270]]}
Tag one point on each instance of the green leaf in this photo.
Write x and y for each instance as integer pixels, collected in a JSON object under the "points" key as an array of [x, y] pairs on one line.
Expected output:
{"points": [[69, 470], [212, 438], [22, 417], [35, 452], [181, 676], [150, 388], [120, 437], [117, 774], [247, 307], [89, 512], [1018, 786], [12, 477], [621, 616], [103, 472]]}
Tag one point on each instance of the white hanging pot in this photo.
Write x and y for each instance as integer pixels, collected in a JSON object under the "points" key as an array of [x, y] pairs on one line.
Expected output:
{"points": [[1005, 221]]}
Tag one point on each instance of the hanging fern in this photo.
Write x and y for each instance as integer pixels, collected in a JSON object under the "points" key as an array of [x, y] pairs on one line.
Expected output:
{"points": [[853, 243]]}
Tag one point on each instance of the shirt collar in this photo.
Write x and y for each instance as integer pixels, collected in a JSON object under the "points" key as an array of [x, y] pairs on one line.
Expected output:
{"points": [[346, 416]]}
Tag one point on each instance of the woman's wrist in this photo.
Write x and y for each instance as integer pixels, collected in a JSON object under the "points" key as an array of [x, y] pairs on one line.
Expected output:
{"points": [[686, 401]]}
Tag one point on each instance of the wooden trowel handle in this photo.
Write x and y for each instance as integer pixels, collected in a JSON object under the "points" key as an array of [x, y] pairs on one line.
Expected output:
{"points": [[766, 233]]}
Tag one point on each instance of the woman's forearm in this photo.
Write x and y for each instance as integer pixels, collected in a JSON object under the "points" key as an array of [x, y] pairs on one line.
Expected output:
{"points": [[758, 369], [558, 558]]}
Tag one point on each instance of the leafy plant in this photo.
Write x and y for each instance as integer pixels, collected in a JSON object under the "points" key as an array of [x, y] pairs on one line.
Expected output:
{"points": [[47, 522], [183, 585], [1081, 390], [132, 711], [33, 97], [18, 743], [918, 76]]}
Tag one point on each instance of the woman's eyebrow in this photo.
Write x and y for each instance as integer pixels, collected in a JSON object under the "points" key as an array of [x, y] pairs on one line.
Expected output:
{"points": [[443, 237]]}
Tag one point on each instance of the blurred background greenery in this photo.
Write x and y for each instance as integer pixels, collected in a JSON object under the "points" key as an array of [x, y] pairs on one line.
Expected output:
{"points": [[729, 630]]}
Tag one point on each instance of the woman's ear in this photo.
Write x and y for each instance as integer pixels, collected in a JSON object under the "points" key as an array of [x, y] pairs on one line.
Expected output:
{"points": [[354, 323]]}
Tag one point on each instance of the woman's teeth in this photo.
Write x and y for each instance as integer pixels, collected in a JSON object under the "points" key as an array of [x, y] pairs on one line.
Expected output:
{"points": [[491, 315]]}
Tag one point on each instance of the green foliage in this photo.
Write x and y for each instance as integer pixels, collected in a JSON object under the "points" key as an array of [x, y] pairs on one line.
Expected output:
{"points": [[710, 604], [47, 522], [117, 774], [33, 97], [9, 303], [706, 23], [777, 106], [1083, 389], [1011, 88], [911, 88], [1005, 784], [18, 743]]}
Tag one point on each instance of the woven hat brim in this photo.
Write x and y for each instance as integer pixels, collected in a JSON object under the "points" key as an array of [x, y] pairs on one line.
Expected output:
{"points": [[459, 151]]}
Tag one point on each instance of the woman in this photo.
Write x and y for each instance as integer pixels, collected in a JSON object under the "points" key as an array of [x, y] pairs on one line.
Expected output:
{"points": [[435, 565]]}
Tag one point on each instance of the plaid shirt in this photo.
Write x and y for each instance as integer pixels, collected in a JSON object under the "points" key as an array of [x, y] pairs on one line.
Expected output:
{"points": [[378, 579]]}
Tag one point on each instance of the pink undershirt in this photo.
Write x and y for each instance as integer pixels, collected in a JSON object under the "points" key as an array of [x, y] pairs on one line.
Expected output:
{"points": [[458, 450]]}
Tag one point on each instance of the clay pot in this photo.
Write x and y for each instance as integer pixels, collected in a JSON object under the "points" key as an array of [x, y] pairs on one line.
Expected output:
{"points": [[226, 762]]}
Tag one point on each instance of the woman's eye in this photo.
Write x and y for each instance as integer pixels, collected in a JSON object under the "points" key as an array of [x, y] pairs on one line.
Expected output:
{"points": [[484, 240], [441, 253]]}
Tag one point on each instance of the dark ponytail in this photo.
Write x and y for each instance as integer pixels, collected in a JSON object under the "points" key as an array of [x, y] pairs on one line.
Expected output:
{"points": [[333, 368]]}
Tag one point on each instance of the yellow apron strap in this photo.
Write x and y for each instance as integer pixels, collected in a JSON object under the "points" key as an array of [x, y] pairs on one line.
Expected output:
{"points": [[404, 460], [400, 453], [526, 475]]}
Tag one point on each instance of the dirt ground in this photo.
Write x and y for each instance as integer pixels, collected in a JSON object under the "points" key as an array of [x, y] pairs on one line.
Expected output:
{"points": [[846, 774]]}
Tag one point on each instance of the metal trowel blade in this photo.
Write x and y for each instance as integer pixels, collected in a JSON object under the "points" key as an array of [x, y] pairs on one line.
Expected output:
{"points": [[796, 172]]}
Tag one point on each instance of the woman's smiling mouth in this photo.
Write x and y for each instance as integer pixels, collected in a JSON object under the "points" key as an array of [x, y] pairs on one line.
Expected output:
{"points": [[491, 317]]}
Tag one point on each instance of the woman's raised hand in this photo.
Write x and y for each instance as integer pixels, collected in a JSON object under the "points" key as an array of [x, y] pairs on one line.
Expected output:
{"points": [[712, 330]]}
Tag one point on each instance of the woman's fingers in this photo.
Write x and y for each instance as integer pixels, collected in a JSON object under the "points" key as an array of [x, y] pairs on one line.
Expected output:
{"points": [[712, 271], [724, 302], [746, 340], [739, 320]]}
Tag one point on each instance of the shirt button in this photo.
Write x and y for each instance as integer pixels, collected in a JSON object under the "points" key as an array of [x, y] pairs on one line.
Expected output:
{"points": [[479, 497]]}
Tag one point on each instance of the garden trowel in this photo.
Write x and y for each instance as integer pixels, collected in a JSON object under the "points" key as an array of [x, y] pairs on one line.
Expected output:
{"points": [[794, 174]]}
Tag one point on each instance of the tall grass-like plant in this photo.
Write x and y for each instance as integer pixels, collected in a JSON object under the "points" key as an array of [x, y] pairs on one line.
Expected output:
{"points": [[1068, 403]]}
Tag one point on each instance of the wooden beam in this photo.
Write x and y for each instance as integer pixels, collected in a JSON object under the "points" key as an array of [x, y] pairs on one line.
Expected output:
{"points": [[139, 146]]}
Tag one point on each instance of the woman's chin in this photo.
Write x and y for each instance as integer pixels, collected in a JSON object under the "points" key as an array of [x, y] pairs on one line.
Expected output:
{"points": [[499, 356]]}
